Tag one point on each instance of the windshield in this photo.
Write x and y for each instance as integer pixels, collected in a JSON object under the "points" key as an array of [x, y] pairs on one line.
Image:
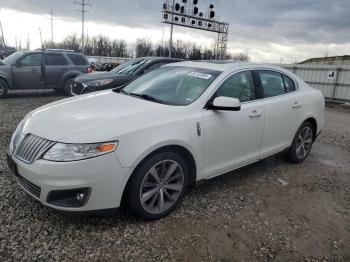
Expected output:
{"points": [[129, 67], [172, 85], [11, 59]]}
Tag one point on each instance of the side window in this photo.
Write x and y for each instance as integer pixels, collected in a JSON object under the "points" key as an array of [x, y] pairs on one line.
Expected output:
{"points": [[240, 85], [272, 83], [55, 60], [78, 59], [289, 84], [153, 67], [31, 60]]}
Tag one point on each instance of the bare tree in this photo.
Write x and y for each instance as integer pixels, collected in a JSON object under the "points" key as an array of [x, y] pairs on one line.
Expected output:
{"points": [[143, 47], [241, 57]]}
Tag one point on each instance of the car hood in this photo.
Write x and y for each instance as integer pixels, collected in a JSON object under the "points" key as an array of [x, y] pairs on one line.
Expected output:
{"points": [[100, 76], [97, 117]]}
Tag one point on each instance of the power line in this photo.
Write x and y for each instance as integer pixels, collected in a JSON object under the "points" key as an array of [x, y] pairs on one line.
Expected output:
{"points": [[83, 4], [281, 6]]}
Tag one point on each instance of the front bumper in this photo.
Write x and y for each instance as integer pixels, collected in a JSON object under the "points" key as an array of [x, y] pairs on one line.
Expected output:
{"points": [[103, 176]]}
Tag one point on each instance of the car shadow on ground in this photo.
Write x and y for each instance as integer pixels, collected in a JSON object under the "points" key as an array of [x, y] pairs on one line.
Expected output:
{"points": [[34, 94], [232, 179]]}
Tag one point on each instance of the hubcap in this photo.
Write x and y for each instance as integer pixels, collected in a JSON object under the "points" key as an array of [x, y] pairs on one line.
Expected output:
{"points": [[162, 186], [304, 142]]}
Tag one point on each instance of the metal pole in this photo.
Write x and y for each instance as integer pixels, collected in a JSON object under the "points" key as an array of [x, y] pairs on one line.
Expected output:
{"points": [[51, 14], [2, 36], [335, 83], [82, 26], [171, 30], [41, 38]]}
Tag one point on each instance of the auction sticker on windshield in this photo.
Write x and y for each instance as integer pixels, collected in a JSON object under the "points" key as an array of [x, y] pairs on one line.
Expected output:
{"points": [[200, 75]]}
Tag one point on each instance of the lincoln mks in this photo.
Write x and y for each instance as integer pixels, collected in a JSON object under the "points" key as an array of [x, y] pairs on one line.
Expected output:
{"points": [[145, 144]]}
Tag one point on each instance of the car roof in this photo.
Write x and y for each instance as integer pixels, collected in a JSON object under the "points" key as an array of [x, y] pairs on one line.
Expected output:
{"points": [[225, 65], [159, 58]]}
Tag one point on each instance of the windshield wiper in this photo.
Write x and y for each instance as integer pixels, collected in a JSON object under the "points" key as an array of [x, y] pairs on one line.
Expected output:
{"points": [[146, 97]]}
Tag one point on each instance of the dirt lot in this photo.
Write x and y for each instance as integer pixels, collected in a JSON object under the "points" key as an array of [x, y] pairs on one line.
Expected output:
{"points": [[271, 211]]}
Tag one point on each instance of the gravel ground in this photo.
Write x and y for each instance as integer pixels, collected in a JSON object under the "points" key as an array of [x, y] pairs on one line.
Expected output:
{"points": [[271, 211]]}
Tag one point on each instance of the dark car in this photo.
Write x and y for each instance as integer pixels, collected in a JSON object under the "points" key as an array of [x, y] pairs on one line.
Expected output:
{"points": [[119, 76], [41, 69]]}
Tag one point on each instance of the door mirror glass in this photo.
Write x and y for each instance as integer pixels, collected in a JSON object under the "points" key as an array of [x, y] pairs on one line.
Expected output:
{"points": [[226, 103]]}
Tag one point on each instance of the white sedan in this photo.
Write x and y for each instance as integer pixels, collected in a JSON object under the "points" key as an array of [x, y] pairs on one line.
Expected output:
{"points": [[144, 145]]}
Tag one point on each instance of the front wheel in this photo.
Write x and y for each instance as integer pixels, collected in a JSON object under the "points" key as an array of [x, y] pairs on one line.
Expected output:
{"points": [[157, 186], [3, 89], [302, 143], [68, 85]]}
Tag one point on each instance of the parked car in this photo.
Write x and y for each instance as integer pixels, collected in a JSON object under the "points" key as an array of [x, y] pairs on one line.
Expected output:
{"points": [[119, 76], [145, 144], [41, 69]]}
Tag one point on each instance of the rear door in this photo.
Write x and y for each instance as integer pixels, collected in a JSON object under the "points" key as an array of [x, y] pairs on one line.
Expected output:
{"points": [[282, 111], [27, 73], [56, 66]]}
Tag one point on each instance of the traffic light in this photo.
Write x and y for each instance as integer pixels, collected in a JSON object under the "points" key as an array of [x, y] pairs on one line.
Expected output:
{"points": [[211, 14], [195, 2], [177, 7], [195, 10]]}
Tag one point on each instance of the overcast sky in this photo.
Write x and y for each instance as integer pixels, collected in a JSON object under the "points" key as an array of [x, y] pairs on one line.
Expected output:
{"points": [[267, 29]]}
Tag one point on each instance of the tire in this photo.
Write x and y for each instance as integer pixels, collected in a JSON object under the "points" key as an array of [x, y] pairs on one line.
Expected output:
{"points": [[145, 194], [3, 89], [68, 86], [302, 144]]}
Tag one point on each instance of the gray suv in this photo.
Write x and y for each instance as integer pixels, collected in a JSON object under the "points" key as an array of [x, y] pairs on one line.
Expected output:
{"points": [[41, 69]]}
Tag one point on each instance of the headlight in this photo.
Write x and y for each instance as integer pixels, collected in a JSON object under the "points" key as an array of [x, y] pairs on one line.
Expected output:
{"points": [[16, 138], [71, 152], [97, 83]]}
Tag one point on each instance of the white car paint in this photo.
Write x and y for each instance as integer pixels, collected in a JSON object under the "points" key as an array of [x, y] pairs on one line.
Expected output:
{"points": [[228, 139]]}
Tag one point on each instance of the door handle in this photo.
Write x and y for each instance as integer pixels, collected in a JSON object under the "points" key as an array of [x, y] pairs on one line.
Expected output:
{"points": [[255, 113], [296, 105]]}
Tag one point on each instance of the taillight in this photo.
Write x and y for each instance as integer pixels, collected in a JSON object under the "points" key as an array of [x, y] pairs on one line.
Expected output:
{"points": [[89, 70]]}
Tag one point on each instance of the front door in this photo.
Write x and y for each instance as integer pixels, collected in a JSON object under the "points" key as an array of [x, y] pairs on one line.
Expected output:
{"points": [[27, 72], [233, 138]]}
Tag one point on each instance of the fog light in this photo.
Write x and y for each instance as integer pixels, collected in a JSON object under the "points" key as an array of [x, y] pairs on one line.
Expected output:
{"points": [[69, 198], [81, 197]]}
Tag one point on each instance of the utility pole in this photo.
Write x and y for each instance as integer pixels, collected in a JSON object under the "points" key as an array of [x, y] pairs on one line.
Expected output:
{"points": [[83, 11], [41, 38], [2, 36], [28, 43], [51, 20], [171, 30]]}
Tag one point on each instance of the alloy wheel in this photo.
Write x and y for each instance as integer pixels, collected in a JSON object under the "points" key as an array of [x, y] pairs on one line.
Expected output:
{"points": [[304, 142], [161, 186]]}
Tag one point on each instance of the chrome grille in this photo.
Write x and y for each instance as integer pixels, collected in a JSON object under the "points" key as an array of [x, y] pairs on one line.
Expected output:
{"points": [[31, 148]]}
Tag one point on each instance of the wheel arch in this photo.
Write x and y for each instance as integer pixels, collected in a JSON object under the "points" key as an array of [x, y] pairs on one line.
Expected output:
{"points": [[3, 78], [312, 120], [181, 150]]}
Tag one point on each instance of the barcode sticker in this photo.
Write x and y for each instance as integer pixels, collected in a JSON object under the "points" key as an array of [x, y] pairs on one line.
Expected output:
{"points": [[200, 75]]}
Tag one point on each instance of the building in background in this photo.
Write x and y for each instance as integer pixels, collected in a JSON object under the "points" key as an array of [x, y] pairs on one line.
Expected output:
{"points": [[328, 60]]}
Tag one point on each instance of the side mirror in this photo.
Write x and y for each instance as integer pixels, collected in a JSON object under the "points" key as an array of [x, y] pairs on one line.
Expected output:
{"points": [[226, 103]]}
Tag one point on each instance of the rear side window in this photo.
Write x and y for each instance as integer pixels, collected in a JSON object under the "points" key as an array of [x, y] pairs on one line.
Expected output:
{"points": [[55, 60], [272, 83], [78, 59], [289, 84]]}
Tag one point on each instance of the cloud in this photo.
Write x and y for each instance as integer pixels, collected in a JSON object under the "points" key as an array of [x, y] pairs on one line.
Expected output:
{"points": [[264, 28]]}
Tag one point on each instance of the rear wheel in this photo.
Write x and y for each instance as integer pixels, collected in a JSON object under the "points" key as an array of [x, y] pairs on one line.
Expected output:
{"points": [[157, 186], [302, 143], [68, 85], [3, 89]]}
